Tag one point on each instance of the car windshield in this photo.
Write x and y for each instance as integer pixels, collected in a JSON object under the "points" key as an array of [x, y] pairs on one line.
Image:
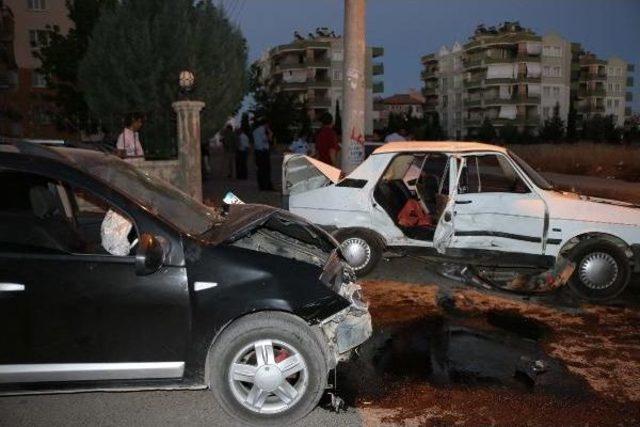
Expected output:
{"points": [[160, 198], [537, 179]]}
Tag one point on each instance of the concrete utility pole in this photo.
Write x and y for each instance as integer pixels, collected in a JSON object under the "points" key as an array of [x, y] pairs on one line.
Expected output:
{"points": [[354, 86]]}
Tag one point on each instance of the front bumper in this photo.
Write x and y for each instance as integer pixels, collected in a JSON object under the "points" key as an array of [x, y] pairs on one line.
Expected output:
{"points": [[348, 328]]}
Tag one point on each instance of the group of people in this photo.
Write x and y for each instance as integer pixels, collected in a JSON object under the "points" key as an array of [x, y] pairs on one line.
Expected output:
{"points": [[236, 144]]}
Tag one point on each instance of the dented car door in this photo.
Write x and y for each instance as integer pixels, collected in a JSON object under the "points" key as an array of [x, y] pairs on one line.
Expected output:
{"points": [[495, 209]]}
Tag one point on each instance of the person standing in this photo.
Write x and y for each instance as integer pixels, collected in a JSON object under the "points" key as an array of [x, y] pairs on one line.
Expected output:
{"points": [[229, 145], [128, 144], [242, 153], [261, 148], [399, 136], [327, 146]]}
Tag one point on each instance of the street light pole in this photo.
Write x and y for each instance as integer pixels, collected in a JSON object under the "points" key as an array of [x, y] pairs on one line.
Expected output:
{"points": [[354, 85]]}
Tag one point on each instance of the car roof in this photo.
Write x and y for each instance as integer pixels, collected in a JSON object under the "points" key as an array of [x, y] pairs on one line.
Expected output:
{"points": [[436, 146]]}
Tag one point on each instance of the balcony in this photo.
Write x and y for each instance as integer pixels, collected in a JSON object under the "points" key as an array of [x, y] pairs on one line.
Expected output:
{"points": [[319, 83], [292, 86], [429, 73], [473, 103], [473, 83], [378, 87], [518, 99], [377, 69], [472, 122], [300, 45], [319, 102], [593, 76], [279, 68], [585, 93], [431, 105], [590, 109], [319, 63], [430, 91], [377, 51]]}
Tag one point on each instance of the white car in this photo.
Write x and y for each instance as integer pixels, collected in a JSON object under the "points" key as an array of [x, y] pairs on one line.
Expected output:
{"points": [[482, 202]]}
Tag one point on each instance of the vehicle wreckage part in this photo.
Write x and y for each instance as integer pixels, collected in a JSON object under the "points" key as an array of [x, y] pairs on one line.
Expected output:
{"points": [[519, 281], [268, 368], [603, 269]]}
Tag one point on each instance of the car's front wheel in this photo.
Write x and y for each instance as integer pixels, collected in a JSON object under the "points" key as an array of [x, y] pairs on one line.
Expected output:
{"points": [[602, 270], [268, 368]]}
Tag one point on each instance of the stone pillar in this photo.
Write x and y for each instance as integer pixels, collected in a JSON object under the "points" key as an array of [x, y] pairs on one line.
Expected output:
{"points": [[189, 154]]}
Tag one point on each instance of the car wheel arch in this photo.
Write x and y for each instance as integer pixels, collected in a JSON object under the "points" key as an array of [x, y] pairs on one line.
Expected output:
{"points": [[571, 243], [348, 230]]}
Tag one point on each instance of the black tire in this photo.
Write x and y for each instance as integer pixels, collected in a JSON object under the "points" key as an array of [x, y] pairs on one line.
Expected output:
{"points": [[273, 326], [591, 248], [374, 247]]}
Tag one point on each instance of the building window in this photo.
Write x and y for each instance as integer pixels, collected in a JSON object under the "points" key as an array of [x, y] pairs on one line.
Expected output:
{"points": [[546, 50], [557, 51], [546, 90], [556, 92], [609, 102], [38, 38], [556, 72], [38, 80], [337, 55], [36, 4], [545, 112], [610, 86], [337, 75], [616, 103], [617, 87], [546, 70]]}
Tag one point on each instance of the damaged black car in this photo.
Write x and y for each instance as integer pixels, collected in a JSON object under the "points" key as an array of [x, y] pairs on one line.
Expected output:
{"points": [[112, 280]]}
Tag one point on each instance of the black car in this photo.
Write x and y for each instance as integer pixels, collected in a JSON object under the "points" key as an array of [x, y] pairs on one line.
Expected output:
{"points": [[255, 304]]}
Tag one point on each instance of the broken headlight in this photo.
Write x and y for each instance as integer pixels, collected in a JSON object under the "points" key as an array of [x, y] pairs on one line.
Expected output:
{"points": [[340, 278]]}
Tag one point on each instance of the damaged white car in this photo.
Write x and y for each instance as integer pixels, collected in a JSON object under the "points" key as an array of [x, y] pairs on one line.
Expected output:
{"points": [[472, 203]]}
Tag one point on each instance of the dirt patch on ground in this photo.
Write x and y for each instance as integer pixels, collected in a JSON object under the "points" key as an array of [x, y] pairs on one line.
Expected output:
{"points": [[468, 357]]}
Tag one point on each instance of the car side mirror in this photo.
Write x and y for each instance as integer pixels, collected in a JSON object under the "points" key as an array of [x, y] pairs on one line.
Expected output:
{"points": [[150, 255]]}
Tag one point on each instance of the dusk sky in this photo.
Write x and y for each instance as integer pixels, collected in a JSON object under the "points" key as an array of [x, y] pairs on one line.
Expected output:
{"points": [[408, 29]]}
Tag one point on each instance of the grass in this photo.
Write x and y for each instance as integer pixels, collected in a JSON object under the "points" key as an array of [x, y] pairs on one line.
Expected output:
{"points": [[602, 160]]}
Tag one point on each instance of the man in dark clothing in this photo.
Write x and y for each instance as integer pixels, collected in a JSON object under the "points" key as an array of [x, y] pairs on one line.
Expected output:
{"points": [[327, 145], [261, 148]]}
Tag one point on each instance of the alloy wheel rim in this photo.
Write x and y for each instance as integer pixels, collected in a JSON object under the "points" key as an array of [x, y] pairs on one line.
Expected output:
{"points": [[357, 252], [598, 270], [268, 376]]}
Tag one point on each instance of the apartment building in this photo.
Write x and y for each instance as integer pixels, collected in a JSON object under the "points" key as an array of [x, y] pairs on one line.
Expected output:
{"points": [[513, 76], [311, 68], [25, 103]]}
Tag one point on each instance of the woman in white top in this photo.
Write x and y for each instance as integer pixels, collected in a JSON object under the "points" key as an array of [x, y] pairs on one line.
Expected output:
{"points": [[128, 144]]}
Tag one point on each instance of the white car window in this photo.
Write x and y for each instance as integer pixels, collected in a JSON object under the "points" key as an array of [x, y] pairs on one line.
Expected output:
{"points": [[490, 174]]}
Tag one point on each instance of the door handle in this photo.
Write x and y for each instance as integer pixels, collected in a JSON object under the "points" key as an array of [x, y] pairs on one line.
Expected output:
{"points": [[463, 202], [11, 287]]}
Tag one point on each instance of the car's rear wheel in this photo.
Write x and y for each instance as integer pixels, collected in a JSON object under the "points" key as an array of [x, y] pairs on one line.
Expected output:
{"points": [[602, 270], [361, 249], [268, 368]]}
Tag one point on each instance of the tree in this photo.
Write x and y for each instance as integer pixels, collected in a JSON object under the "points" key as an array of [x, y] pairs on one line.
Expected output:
{"points": [[284, 112], [572, 132], [61, 57], [487, 132], [136, 52], [553, 128], [509, 134]]}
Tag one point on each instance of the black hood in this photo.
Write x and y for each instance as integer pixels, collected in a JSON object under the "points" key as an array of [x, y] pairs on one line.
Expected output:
{"points": [[244, 218]]}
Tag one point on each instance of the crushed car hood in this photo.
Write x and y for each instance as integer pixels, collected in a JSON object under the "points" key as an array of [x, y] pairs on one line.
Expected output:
{"points": [[242, 219]]}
